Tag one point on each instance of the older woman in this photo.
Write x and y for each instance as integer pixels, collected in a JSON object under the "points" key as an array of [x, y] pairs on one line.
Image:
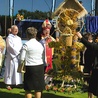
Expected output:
{"points": [[32, 53]]}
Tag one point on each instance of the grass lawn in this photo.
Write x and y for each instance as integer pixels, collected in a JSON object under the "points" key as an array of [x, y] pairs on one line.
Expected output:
{"points": [[19, 93]]}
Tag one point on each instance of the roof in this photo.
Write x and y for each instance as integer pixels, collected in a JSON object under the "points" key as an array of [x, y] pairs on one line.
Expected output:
{"points": [[71, 4]]}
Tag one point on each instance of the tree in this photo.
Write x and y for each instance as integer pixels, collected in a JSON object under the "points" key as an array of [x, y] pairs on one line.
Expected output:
{"points": [[27, 15], [34, 15]]}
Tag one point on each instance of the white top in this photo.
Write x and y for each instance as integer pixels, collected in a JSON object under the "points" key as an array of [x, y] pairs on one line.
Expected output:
{"points": [[32, 53]]}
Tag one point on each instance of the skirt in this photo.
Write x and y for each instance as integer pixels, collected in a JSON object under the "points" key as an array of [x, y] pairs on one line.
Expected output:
{"points": [[34, 78], [93, 83]]}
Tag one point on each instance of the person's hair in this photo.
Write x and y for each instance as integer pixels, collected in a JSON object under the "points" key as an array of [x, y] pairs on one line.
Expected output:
{"points": [[31, 32], [88, 36], [8, 30], [13, 26]]}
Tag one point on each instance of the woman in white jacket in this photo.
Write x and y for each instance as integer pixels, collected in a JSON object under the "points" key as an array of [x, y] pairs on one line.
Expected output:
{"points": [[32, 53]]}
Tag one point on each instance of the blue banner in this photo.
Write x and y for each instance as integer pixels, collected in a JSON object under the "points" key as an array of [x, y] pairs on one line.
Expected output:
{"points": [[92, 24]]}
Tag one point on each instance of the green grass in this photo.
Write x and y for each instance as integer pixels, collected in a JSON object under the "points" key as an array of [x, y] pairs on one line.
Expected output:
{"points": [[19, 93]]}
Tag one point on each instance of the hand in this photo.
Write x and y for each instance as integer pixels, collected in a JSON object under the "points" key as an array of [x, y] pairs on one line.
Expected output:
{"points": [[79, 35]]}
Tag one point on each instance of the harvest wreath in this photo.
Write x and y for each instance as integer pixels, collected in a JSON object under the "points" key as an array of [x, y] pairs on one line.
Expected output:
{"points": [[67, 50]]}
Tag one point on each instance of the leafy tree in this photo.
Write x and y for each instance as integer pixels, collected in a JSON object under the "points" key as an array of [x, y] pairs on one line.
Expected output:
{"points": [[5, 21], [34, 15]]}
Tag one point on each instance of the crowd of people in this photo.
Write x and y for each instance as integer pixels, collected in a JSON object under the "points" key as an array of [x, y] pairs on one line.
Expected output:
{"points": [[36, 54], [38, 60]]}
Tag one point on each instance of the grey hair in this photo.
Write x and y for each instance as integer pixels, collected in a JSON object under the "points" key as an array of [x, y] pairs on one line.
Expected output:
{"points": [[31, 32]]}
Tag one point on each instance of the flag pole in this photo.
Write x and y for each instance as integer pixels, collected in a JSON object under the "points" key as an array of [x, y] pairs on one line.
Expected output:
{"points": [[53, 5], [11, 10]]}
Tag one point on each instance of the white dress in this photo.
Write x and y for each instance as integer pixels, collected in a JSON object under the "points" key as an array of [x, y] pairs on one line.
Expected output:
{"points": [[13, 47]]}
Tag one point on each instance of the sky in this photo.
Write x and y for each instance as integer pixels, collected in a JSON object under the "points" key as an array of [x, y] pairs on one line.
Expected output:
{"points": [[32, 5]]}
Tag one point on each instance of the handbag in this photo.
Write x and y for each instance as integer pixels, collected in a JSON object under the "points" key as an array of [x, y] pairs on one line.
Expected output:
{"points": [[21, 67]]}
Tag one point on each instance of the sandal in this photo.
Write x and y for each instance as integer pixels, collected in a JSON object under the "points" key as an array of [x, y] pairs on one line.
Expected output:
{"points": [[8, 87]]}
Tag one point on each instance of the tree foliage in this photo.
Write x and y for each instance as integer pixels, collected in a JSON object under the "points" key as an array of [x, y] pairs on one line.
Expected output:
{"points": [[5, 21], [34, 15]]}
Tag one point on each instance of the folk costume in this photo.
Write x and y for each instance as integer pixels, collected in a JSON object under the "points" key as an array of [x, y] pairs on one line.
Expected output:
{"points": [[13, 47], [45, 39]]}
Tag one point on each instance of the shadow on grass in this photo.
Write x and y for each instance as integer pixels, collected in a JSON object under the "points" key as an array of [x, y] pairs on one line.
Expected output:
{"points": [[10, 95], [48, 95], [4, 93], [13, 94], [3, 85]]}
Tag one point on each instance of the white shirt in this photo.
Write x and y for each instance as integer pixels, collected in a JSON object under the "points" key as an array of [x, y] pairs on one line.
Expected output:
{"points": [[32, 53]]}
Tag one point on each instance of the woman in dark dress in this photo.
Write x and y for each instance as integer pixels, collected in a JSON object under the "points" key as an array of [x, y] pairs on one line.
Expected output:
{"points": [[93, 83]]}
